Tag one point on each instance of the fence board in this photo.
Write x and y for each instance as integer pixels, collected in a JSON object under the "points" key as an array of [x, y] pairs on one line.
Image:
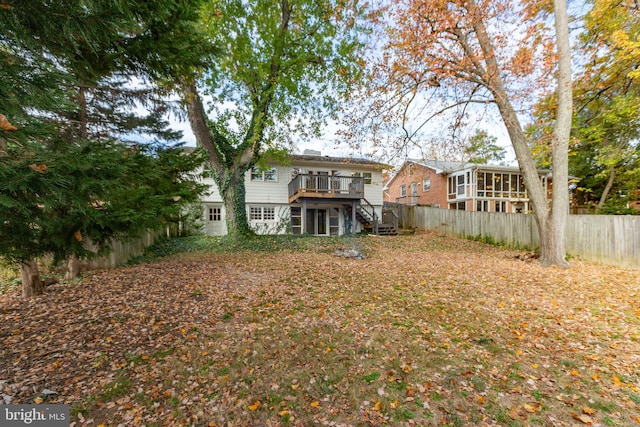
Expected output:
{"points": [[611, 239], [123, 251]]}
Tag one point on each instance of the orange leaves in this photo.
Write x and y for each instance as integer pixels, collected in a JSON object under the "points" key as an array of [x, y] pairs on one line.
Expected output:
{"points": [[5, 126], [38, 168], [583, 418], [255, 406]]}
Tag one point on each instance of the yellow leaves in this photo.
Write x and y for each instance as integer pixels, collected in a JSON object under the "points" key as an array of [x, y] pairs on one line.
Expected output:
{"points": [[255, 406], [314, 404], [394, 404], [38, 400], [481, 399], [588, 411], [532, 409], [575, 373], [378, 406], [78, 235]]}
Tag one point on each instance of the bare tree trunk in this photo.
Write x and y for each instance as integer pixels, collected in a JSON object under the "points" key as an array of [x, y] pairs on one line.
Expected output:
{"points": [[607, 188], [552, 219], [553, 252], [31, 283], [73, 268]]}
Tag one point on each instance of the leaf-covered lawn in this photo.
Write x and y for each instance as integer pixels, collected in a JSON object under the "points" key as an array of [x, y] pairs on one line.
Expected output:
{"points": [[426, 330]]}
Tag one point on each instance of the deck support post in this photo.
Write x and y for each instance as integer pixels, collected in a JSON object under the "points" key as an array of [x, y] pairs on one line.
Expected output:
{"points": [[304, 216], [353, 216]]}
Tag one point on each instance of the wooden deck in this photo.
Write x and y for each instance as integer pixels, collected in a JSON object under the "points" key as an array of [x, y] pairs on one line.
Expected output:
{"points": [[326, 187]]}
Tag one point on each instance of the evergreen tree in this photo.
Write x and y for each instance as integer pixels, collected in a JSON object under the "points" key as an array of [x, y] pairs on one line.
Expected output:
{"points": [[65, 66], [74, 202], [482, 149]]}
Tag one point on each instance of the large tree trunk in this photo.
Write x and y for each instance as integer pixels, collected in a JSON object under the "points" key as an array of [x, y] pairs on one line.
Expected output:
{"points": [[73, 268], [554, 252], [228, 165], [31, 283], [233, 195], [551, 220]]}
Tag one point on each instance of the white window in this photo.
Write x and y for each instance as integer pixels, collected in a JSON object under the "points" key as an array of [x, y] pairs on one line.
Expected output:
{"points": [[460, 185], [268, 213], [403, 191], [262, 213], [365, 175], [258, 174], [426, 184], [215, 214], [255, 213], [414, 188]]}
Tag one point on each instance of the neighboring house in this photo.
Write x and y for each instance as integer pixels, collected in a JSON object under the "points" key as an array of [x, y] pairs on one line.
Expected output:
{"points": [[315, 194], [463, 186]]}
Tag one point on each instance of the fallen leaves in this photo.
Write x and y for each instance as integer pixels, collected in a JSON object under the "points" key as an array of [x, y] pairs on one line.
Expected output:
{"points": [[472, 336], [5, 125]]}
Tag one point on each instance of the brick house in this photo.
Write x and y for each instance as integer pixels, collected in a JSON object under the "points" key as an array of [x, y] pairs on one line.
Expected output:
{"points": [[459, 185]]}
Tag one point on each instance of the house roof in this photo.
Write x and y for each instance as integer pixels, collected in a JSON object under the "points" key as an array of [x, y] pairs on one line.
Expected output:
{"points": [[441, 166], [317, 158]]}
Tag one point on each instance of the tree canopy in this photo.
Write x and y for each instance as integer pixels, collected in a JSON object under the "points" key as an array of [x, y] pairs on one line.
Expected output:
{"points": [[282, 69], [446, 56], [604, 154]]}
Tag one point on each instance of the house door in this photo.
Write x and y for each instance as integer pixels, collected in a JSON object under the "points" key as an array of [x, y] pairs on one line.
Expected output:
{"points": [[214, 221], [316, 221]]}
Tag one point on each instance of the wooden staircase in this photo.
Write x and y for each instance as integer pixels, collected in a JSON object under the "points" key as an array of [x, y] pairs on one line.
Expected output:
{"points": [[367, 216]]}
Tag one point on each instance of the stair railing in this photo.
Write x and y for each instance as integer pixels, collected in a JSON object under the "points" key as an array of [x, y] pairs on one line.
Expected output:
{"points": [[368, 209]]}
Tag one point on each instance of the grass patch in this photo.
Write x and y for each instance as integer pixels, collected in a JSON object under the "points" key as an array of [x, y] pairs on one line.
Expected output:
{"points": [[257, 243]]}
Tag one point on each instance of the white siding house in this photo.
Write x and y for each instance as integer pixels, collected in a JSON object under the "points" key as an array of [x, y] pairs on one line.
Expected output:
{"points": [[318, 195]]}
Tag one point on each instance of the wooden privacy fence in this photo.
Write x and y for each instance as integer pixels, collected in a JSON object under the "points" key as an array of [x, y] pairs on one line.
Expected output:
{"points": [[123, 250], [611, 239]]}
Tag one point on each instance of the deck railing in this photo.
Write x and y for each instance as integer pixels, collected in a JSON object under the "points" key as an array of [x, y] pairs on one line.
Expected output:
{"points": [[307, 185]]}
